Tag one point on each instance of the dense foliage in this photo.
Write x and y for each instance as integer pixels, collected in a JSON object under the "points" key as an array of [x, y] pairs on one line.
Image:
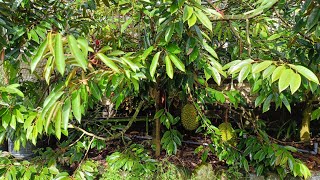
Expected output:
{"points": [[60, 59]]}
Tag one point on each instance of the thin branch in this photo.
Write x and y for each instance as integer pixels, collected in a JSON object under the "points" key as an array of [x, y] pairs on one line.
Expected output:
{"points": [[76, 140], [248, 37], [286, 24], [243, 16], [85, 155], [116, 136]]}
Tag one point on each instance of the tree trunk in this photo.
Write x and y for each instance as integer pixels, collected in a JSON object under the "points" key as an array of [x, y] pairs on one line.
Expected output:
{"points": [[305, 125]]}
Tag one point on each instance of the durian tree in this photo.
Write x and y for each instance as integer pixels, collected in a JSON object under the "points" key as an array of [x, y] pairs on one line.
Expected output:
{"points": [[172, 55]]}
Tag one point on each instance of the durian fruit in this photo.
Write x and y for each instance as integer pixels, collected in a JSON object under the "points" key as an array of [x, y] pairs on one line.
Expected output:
{"points": [[189, 117]]}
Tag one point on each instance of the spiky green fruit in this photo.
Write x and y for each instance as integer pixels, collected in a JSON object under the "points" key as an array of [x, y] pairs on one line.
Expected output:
{"points": [[189, 117]]}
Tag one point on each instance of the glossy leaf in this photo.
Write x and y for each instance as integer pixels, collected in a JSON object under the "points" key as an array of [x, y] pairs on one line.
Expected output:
{"points": [[238, 66], [306, 73], [215, 75], [192, 20], [76, 105], [268, 72], [295, 82], [244, 72], [285, 102], [261, 66], [66, 108], [146, 53], [210, 50], [266, 104], [132, 65], [58, 122], [204, 19], [276, 73], [169, 68], [35, 60], [58, 54], [187, 13], [108, 62], [154, 63], [76, 52], [169, 33], [285, 79], [177, 62], [83, 43]]}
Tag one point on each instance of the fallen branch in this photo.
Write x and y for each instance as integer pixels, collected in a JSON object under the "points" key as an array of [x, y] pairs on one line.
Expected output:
{"points": [[116, 136]]}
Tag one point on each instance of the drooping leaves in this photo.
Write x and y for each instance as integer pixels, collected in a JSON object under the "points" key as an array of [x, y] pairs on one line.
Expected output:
{"points": [[108, 62], [36, 59], [76, 52], [285, 79], [58, 54], [177, 62], [169, 68], [76, 106], [154, 63]]}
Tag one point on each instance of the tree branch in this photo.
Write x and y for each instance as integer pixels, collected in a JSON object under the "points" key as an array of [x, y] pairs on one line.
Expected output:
{"points": [[116, 136], [246, 15]]}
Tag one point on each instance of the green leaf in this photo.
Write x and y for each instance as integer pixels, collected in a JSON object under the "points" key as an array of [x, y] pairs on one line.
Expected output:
{"points": [[266, 104], [177, 62], [154, 64], [210, 50], [95, 90], [285, 79], [261, 66], [290, 148], [267, 72], [146, 53], [132, 65], [204, 19], [58, 122], [236, 67], [66, 113], [12, 89], [76, 52], [35, 60], [313, 18], [58, 54], [169, 32], [49, 102], [13, 121], [34, 36], [83, 43], [107, 61], [277, 72], [244, 73], [315, 114], [116, 53], [245, 165], [259, 100], [6, 118], [192, 21], [125, 25], [306, 73], [76, 106], [169, 68], [305, 171], [285, 102], [48, 69], [173, 48], [274, 36], [187, 13], [295, 82], [215, 75]]}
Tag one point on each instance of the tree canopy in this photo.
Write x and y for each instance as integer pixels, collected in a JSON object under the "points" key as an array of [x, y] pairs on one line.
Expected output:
{"points": [[161, 55]]}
